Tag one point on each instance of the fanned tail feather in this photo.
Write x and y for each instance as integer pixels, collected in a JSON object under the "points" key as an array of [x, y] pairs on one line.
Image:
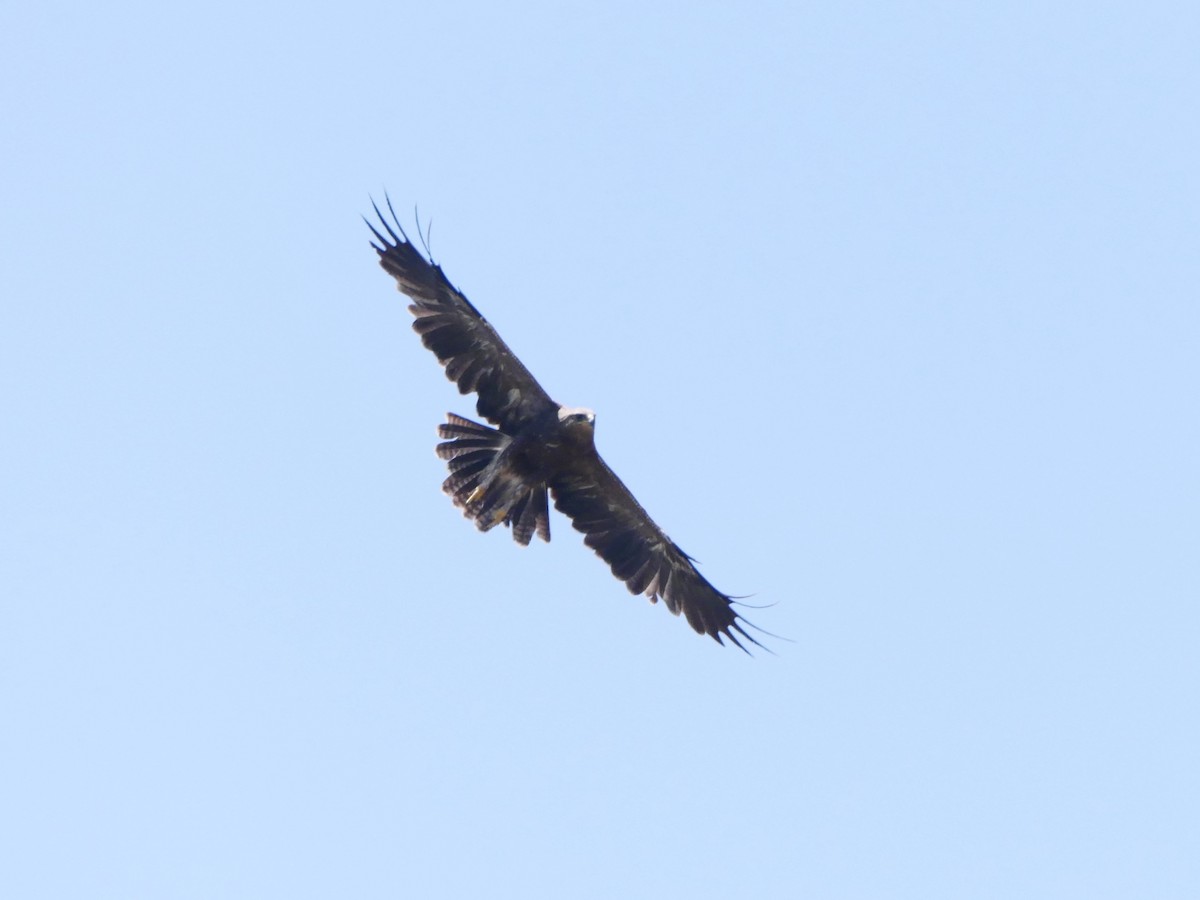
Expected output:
{"points": [[482, 488]]}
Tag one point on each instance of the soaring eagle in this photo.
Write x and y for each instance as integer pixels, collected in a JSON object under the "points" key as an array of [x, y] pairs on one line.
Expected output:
{"points": [[502, 474]]}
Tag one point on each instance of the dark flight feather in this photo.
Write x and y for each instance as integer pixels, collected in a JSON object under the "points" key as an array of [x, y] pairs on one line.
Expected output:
{"points": [[640, 553], [475, 357]]}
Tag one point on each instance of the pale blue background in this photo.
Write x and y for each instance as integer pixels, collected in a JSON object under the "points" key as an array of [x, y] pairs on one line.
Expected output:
{"points": [[890, 315]]}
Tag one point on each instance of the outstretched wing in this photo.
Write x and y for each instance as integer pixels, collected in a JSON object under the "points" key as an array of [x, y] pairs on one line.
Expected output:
{"points": [[465, 343], [639, 552]]}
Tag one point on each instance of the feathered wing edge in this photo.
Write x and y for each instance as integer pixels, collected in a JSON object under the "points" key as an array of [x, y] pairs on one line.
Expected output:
{"points": [[640, 554], [481, 489], [475, 357]]}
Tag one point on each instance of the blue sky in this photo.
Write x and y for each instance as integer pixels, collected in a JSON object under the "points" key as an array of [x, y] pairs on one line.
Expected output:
{"points": [[889, 316]]}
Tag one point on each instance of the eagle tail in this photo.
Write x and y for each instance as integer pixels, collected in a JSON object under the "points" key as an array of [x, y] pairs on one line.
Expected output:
{"points": [[482, 486]]}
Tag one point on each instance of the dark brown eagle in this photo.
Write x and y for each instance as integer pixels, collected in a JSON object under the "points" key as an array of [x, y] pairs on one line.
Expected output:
{"points": [[501, 475]]}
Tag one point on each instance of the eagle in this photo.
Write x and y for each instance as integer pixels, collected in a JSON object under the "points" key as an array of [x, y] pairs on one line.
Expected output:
{"points": [[538, 449]]}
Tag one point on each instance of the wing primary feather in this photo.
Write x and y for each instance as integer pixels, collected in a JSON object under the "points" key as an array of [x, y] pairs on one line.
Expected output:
{"points": [[395, 238], [428, 231], [396, 219], [382, 240]]}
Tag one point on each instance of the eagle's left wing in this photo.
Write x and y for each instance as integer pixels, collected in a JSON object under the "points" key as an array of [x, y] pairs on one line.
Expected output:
{"points": [[475, 357], [639, 552]]}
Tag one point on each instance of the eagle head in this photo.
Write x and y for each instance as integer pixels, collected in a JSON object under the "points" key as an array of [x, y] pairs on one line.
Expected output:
{"points": [[576, 417]]}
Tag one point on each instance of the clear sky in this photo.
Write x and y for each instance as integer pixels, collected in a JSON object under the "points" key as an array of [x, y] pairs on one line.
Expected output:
{"points": [[890, 314]]}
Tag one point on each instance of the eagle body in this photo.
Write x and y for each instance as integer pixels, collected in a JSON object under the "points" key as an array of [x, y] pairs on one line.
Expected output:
{"points": [[498, 477], [536, 449]]}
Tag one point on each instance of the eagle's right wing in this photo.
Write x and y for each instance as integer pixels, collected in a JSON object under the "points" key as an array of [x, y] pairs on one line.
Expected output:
{"points": [[639, 552], [475, 357]]}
